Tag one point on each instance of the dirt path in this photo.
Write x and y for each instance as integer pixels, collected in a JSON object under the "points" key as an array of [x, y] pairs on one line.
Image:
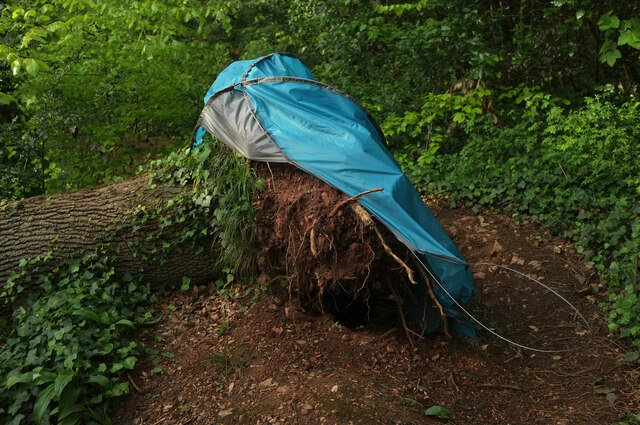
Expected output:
{"points": [[247, 357]]}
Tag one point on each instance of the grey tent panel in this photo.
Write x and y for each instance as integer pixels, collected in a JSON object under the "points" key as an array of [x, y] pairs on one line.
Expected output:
{"points": [[230, 119]]}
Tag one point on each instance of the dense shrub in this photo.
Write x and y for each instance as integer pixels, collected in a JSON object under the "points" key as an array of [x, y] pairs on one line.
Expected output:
{"points": [[575, 171]]}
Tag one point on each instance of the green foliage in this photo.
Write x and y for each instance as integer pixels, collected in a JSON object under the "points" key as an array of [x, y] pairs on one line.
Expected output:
{"points": [[92, 89], [442, 120], [631, 419], [576, 171], [627, 32], [70, 342], [218, 206], [390, 55], [99, 87], [223, 327], [438, 412]]}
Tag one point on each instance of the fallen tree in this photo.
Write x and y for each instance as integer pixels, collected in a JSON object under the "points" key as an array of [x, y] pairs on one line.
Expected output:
{"points": [[78, 269], [329, 251], [161, 227], [73, 223]]}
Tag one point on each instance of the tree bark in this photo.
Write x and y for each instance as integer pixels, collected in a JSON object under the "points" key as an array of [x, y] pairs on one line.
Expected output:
{"points": [[72, 223], [307, 232]]}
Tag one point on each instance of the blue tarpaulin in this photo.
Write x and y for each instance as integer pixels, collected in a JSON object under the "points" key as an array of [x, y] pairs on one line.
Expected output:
{"points": [[272, 109]]}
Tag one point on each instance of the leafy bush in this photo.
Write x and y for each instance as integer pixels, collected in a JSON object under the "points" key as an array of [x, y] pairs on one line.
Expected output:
{"points": [[442, 122], [94, 89], [576, 171]]}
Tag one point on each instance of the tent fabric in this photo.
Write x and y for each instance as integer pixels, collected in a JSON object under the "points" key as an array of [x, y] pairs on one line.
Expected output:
{"points": [[230, 117], [271, 109]]}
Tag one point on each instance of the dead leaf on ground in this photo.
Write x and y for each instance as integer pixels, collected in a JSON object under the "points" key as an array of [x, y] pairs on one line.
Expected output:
{"points": [[496, 248], [536, 264]]}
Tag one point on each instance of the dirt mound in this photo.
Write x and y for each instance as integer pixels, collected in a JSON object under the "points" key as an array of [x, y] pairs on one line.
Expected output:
{"points": [[309, 232]]}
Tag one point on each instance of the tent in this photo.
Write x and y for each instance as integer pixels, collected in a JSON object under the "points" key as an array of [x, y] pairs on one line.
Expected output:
{"points": [[272, 109]]}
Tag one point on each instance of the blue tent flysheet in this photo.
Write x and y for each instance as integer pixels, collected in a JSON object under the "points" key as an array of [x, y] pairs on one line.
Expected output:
{"points": [[272, 109]]}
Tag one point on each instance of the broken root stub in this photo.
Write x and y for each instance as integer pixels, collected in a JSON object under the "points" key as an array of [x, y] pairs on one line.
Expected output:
{"points": [[335, 257]]}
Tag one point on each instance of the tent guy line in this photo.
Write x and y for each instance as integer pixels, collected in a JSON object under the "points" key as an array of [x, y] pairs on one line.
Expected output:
{"points": [[496, 334]]}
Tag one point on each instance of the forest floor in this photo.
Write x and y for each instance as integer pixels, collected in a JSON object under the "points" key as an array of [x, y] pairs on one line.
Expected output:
{"points": [[251, 356]]}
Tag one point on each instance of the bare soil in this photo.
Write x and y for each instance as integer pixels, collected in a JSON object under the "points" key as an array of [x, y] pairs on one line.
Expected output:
{"points": [[296, 351]]}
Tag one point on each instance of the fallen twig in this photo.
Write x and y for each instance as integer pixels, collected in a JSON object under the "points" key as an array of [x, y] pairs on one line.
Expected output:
{"points": [[389, 332], [453, 381], [427, 283], [501, 386], [353, 198], [133, 384]]}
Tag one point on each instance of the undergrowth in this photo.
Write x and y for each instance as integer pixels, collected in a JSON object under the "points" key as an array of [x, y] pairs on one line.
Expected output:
{"points": [[576, 171], [70, 340]]}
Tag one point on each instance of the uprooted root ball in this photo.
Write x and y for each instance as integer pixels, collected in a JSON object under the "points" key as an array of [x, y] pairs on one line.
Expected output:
{"points": [[331, 258]]}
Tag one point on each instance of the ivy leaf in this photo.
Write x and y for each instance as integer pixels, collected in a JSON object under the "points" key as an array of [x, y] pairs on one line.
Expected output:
{"points": [[608, 21], [129, 362], [6, 99], [439, 412], [42, 402], [186, 282], [74, 268], [119, 389], [15, 377], [15, 67], [69, 360]]}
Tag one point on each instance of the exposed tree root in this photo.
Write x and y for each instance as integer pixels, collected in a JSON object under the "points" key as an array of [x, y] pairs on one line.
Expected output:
{"points": [[429, 286], [353, 198], [368, 221], [334, 262]]}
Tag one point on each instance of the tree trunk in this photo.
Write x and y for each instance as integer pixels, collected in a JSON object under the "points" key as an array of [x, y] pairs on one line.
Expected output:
{"points": [[308, 233], [73, 222]]}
